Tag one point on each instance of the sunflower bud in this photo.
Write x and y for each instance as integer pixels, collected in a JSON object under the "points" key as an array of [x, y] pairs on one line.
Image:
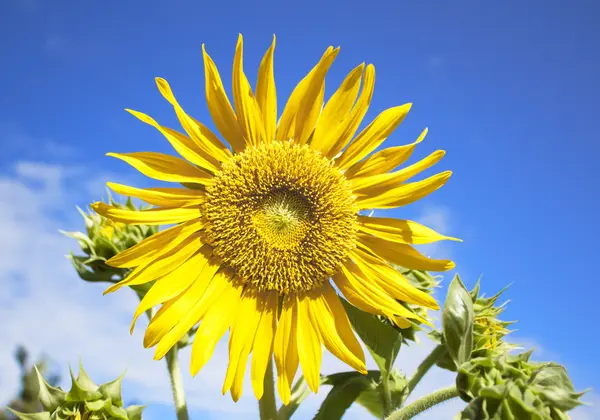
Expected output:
{"points": [[512, 387], [104, 239], [487, 330], [84, 401]]}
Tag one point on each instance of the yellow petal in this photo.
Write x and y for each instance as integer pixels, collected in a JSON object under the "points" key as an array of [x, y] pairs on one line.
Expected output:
{"points": [[404, 194], [373, 135], [312, 101], [164, 167], [182, 144], [340, 136], [266, 94], [146, 217], [249, 117], [383, 161], [400, 231], [285, 128], [217, 320], [166, 197], [363, 293], [155, 245], [403, 255], [219, 106], [330, 320], [309, 346], [241, 339], [173, 284], [162, 264], [336, 109], [380, 184], [263, 342], [390, 280], [177, 316], [202, 136], [285, 348]]}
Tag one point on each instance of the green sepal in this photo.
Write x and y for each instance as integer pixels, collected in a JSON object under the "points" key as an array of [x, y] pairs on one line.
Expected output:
{"points": [[96, 405], [80, 392], [134, 412], [116, 412], [382, 340], [112, 390], [457, 322], [50, 397]]}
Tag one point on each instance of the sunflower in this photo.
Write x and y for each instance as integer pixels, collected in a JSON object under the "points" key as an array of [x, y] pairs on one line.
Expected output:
{"points": [[267, 231]]}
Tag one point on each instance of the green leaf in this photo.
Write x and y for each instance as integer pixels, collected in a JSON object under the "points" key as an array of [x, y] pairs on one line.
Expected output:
{"points": [[50, 397], [382, 340], [342, 395], [457, 322]]}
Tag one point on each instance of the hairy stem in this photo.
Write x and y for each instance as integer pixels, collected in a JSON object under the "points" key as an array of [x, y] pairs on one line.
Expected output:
{"points": [[386, 394], [177, 384], [417, 407], [267, 406]]}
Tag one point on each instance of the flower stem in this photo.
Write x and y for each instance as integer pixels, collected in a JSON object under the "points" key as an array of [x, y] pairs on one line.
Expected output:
{"points": [[424, 367], [266, 405], [176, 384], [387, 395], [417, 407]]}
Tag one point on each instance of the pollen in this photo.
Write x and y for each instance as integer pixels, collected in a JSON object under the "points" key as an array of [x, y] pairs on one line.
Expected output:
{"points": [[281, 216]]}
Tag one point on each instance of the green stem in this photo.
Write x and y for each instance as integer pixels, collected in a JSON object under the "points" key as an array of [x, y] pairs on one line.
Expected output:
{"points": [[424, 367], [417, 407], [387, 395], [266, 405], [177, 384]]}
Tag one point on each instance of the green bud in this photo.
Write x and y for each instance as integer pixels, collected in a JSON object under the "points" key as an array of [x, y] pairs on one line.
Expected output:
{"points": [[457, 322], [511, 386], [103, 240], [84, 401]]}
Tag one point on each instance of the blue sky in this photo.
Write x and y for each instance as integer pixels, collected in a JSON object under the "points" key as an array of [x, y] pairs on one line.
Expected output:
{"points": [[509, 92]]}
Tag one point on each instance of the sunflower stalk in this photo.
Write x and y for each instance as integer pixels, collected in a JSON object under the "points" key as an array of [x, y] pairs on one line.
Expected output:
{"points": [[425, 403], [267, 405], [386, 396], [177, 383]]}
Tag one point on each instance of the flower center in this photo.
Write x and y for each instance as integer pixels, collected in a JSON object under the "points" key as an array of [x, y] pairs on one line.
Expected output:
{"points": [[281, 216]]}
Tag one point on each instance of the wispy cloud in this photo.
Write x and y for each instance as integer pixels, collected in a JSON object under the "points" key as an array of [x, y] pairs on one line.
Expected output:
{"points": [[18, 141], [438, 218]]}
